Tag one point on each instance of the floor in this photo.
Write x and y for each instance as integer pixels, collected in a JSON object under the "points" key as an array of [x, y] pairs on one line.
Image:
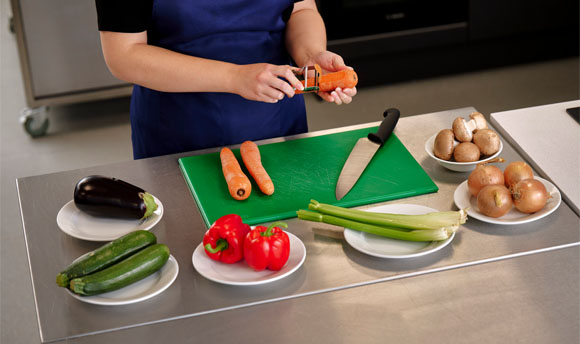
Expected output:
{"points": [[98, 133]]}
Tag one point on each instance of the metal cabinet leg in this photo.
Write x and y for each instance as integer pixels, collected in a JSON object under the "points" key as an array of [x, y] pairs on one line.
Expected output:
{"points": [[35, 121]]}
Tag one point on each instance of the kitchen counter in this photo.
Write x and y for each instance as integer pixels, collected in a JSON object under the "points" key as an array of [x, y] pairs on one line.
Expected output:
{"points": [[509, 283]]}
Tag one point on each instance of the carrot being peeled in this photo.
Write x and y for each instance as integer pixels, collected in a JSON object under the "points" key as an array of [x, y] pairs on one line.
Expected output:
{"points": [[239, 185], [329, 82], [253, 161]]}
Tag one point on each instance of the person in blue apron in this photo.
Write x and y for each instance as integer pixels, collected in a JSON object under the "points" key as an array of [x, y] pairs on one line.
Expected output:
{"points": [[214, 73]]}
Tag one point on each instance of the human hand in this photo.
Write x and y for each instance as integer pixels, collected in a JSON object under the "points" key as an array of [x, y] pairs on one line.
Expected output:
{"points": [[331, 62], [262, 82]]}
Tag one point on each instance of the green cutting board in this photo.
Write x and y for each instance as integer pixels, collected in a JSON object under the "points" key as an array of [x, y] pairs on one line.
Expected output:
{"points": [[305, 169]]}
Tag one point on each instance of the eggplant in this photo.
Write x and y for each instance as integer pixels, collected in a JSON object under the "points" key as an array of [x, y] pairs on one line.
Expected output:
{"points": [[111, 197]]}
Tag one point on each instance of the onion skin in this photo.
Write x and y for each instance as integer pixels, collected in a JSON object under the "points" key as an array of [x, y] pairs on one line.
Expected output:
{"points": [[494, 201], [516, 171], [529, 195], [482, 176]]}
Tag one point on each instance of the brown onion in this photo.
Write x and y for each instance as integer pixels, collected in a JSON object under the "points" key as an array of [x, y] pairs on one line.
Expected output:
{"points": [[494, 200], [529, 195], [516, 171], [484, 175]]}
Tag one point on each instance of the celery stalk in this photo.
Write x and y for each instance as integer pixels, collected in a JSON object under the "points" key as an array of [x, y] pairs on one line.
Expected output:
{"points": [[444, 219], [385, 231]]}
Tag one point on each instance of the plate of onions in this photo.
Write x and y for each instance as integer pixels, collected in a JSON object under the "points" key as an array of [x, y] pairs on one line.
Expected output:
{"points": [[509, 197]]}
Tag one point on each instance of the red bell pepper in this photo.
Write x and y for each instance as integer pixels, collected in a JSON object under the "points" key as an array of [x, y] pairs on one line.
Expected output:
{"points": [[267, 247], [224, 240]]}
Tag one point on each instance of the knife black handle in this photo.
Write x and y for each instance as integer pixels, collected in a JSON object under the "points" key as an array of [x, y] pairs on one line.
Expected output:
{"points": [[387, 126]]}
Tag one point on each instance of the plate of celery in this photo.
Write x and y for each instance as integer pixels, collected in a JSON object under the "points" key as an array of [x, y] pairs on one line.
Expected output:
{"points": [[391, 230]]}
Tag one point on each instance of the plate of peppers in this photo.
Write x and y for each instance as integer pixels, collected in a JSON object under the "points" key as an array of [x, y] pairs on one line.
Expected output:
{"points": [[234, 253]]}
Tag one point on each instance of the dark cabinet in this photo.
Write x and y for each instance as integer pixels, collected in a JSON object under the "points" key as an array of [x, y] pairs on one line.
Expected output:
{"points": [[500, 18], [481, 34]]}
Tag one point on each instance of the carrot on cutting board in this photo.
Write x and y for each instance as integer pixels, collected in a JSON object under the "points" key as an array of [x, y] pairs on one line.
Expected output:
{"points": [[253, 161], [239, 185], [329, 82]]}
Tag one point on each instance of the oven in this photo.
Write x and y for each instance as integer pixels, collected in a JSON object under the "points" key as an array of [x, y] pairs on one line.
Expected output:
{"points": [[362, 27], [399, 40], [355, 18]]}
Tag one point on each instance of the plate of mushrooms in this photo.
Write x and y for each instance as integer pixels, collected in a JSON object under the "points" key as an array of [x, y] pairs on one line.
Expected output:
{"points": [[466, 144]]}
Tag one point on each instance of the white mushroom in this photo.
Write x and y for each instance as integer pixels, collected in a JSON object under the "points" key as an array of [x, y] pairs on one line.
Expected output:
{"points": [[444, 144], [463, 129], [466, 152], [480, 122], [487, 141]]}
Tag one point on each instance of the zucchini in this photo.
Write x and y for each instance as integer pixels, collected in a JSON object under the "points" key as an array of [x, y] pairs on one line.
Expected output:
{"points": [[106, 256], [128, 271], [112, 197]]}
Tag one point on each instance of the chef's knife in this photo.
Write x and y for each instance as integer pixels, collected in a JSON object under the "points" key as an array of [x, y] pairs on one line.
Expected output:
{"points": [[363, 153]]}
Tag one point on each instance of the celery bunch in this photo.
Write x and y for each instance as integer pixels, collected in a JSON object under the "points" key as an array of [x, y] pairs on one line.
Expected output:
{"points": [[434, 226]]}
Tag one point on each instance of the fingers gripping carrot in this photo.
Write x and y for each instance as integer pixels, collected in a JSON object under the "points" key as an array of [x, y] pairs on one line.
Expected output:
{"points": [[344, 79], [329, 82], [253, 161], [239, 185]]}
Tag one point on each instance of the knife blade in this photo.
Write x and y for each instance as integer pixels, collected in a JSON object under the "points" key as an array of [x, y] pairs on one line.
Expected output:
{"points": [[363, 153]]}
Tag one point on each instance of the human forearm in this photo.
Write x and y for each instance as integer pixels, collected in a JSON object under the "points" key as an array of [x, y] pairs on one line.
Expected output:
{"points": [[130, 58], [305, 33], [163, 70]]}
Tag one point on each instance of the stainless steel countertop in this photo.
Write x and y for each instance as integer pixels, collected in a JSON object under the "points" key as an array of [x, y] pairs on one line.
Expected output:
{"points": [[335, 279], [529, 299]]}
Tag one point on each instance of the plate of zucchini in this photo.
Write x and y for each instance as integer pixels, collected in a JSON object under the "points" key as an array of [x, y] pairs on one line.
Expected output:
{"points": [[132, 268], [82, 225], [139, 291]]}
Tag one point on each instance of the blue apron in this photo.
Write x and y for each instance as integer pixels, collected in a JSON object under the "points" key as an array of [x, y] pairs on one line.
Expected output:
{"points": [[240, 32]]}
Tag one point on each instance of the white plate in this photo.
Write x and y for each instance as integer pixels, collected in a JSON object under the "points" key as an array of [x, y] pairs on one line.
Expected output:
{"points": [[240, 273], [81, 225], [382, 247], [463, 199], [142, 290]]}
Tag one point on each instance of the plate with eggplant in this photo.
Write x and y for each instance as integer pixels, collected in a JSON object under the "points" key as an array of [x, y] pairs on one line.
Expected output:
{"points": [[106, 208]]}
